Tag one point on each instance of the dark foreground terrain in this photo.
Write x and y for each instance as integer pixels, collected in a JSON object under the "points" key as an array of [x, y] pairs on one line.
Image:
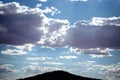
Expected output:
{"points": [[57, 75]]}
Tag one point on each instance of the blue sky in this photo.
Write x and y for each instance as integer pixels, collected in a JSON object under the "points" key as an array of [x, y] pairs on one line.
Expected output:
{"points": [[78, 36]]}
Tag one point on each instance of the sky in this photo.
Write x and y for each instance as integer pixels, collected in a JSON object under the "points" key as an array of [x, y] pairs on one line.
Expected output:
{"points": [[78, 36]]}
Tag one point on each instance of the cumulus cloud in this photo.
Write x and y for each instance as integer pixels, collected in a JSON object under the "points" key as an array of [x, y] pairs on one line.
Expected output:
{"points": [[21, 25], [54, 32], [29, 25], [99, 32]]}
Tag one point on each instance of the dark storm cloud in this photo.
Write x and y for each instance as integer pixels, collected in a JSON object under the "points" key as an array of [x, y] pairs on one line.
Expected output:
{"points": [[19, 25]]}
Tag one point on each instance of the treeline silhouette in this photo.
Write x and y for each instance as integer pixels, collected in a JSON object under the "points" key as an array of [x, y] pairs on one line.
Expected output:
{"points": [[57, 75]]}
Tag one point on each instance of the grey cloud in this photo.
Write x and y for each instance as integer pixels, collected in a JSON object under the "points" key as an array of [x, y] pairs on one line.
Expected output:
{"points": [[93, 36], [22, 25], [6, 68], [19, 28]]}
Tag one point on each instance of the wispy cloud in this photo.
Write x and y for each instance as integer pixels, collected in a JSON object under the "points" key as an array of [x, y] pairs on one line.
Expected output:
{"points": [[79, 0], [52, 63], [17, 50], [32, 69], [39, 58], [84, 0], [68, 57]]}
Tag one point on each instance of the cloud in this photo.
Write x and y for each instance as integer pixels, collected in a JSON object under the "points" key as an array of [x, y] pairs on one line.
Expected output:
{"points": [[13, 52], [93, 52], [86, 63], [31, 26], [84, 0], [111, 71], [54, 32], [39, 58], [97, 33], [51, 10], [19, 24], [79, 0], [17, 50], [32, 69], [99, 21], [52, 63], [43, 0], [34, 63], [7, 68], [68, 57]]}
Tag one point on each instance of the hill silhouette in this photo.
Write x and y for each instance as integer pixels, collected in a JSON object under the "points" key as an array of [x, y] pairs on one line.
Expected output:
{"points": [[57, 75]]}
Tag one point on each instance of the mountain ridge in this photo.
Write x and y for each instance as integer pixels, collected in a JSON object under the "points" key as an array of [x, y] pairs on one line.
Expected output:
{"points": [[57, 75]]}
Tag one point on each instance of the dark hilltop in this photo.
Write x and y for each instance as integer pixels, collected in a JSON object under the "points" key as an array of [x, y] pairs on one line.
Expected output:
{"points": [[57, 75]]}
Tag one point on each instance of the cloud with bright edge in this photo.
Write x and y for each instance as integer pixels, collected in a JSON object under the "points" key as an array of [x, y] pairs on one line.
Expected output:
{"points": [[31, 26], [43, 0]]}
